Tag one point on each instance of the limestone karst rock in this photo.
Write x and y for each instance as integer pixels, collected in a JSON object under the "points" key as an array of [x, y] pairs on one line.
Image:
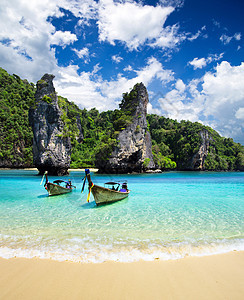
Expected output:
{"points": [[134, 150], [197, 161], [51, 148]]}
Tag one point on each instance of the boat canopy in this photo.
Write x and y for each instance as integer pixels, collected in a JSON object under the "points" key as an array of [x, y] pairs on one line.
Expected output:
{"points": [[58, 181], [111, 183]]}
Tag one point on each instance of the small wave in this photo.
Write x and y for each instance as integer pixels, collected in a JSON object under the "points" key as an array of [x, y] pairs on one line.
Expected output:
{"points": [[102, 253]]}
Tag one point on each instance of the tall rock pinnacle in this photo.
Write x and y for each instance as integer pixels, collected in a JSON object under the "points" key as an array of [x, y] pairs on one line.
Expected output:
{"points": [[133, 152], [51, 149]]}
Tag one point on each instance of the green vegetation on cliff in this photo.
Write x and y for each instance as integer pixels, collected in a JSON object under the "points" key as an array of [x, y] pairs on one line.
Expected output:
{"points": [[129, 102], [16, 96], [224, 154], [94, 135], [178, 142], [99, 130]]}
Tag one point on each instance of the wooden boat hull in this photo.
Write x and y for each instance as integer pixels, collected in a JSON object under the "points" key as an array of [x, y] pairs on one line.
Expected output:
{"points": [[54, 189], [104, 195]]}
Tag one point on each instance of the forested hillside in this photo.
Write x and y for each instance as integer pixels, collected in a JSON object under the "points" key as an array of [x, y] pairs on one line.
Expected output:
{"points": [[174, 144], [179, 141], [16, 96]]}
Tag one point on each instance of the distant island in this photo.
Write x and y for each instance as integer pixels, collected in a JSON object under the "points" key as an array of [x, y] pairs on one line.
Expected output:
{"points": [[40, 129]]}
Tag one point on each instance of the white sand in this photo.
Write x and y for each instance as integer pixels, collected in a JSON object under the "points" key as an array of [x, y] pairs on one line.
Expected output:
{"points": [[211, 277]]}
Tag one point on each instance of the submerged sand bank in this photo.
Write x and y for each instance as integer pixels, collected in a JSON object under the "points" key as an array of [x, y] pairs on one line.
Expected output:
{"points": [[212, 277]]}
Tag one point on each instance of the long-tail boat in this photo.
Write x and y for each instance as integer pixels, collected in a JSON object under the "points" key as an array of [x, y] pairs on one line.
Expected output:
{"points": [[105, 195], [58, 187]]}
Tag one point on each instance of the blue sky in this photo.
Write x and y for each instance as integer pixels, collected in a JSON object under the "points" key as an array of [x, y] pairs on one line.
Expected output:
{"points": [[189, 54]]}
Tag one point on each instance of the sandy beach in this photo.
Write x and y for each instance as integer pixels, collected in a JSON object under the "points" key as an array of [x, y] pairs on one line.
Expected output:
{"points": [[210, 277]]}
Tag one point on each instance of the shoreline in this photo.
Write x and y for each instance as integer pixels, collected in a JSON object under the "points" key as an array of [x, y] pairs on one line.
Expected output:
{"points": [[35, 169], [146, 172], [208, 277]]}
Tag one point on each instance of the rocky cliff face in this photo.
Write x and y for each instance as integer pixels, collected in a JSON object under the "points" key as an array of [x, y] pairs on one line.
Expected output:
{"points": [[133, 153], [197, 162], [51, 150]]}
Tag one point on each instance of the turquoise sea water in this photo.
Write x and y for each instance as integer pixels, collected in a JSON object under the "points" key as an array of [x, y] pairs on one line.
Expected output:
{"points": [[167, 216]]}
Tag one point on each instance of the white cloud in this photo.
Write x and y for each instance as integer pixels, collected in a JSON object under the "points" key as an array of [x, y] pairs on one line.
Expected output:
{"points": [[117, 58], [195, 36], [180, 86], [83, 54], [24, 25], [152, 110], [84, 10], [152, 70], [224, 90], [88, 89], [225, 39], [177, 105], [215, 57], [62, 38], [134, 24], [240, 113], [199, 33], [199, 63], [216, 100], [28, 52], [82, 88], [29, 35], [237, 36], [128, 68], [26, 37], [168, 38]]}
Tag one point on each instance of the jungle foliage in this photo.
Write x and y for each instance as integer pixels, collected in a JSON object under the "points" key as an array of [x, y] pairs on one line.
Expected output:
{"points": [[16, 96], [178, 141], [94, 135]]}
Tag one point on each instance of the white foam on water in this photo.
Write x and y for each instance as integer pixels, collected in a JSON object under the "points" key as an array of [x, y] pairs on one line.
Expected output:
{"points": [[85, 251]]}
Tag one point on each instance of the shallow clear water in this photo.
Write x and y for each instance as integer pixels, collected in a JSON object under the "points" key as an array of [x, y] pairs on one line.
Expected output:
{"points": [[166, 216]]}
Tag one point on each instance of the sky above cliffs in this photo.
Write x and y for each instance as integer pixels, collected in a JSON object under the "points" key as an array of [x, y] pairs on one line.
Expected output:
{"points": [[189, 54]]}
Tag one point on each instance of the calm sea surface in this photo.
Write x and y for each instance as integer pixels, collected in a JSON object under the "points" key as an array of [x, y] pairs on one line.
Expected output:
{"points": [[167, 216]]}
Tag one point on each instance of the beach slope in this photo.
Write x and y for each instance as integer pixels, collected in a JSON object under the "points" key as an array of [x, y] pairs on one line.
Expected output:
{"points": [[210, 277]]}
